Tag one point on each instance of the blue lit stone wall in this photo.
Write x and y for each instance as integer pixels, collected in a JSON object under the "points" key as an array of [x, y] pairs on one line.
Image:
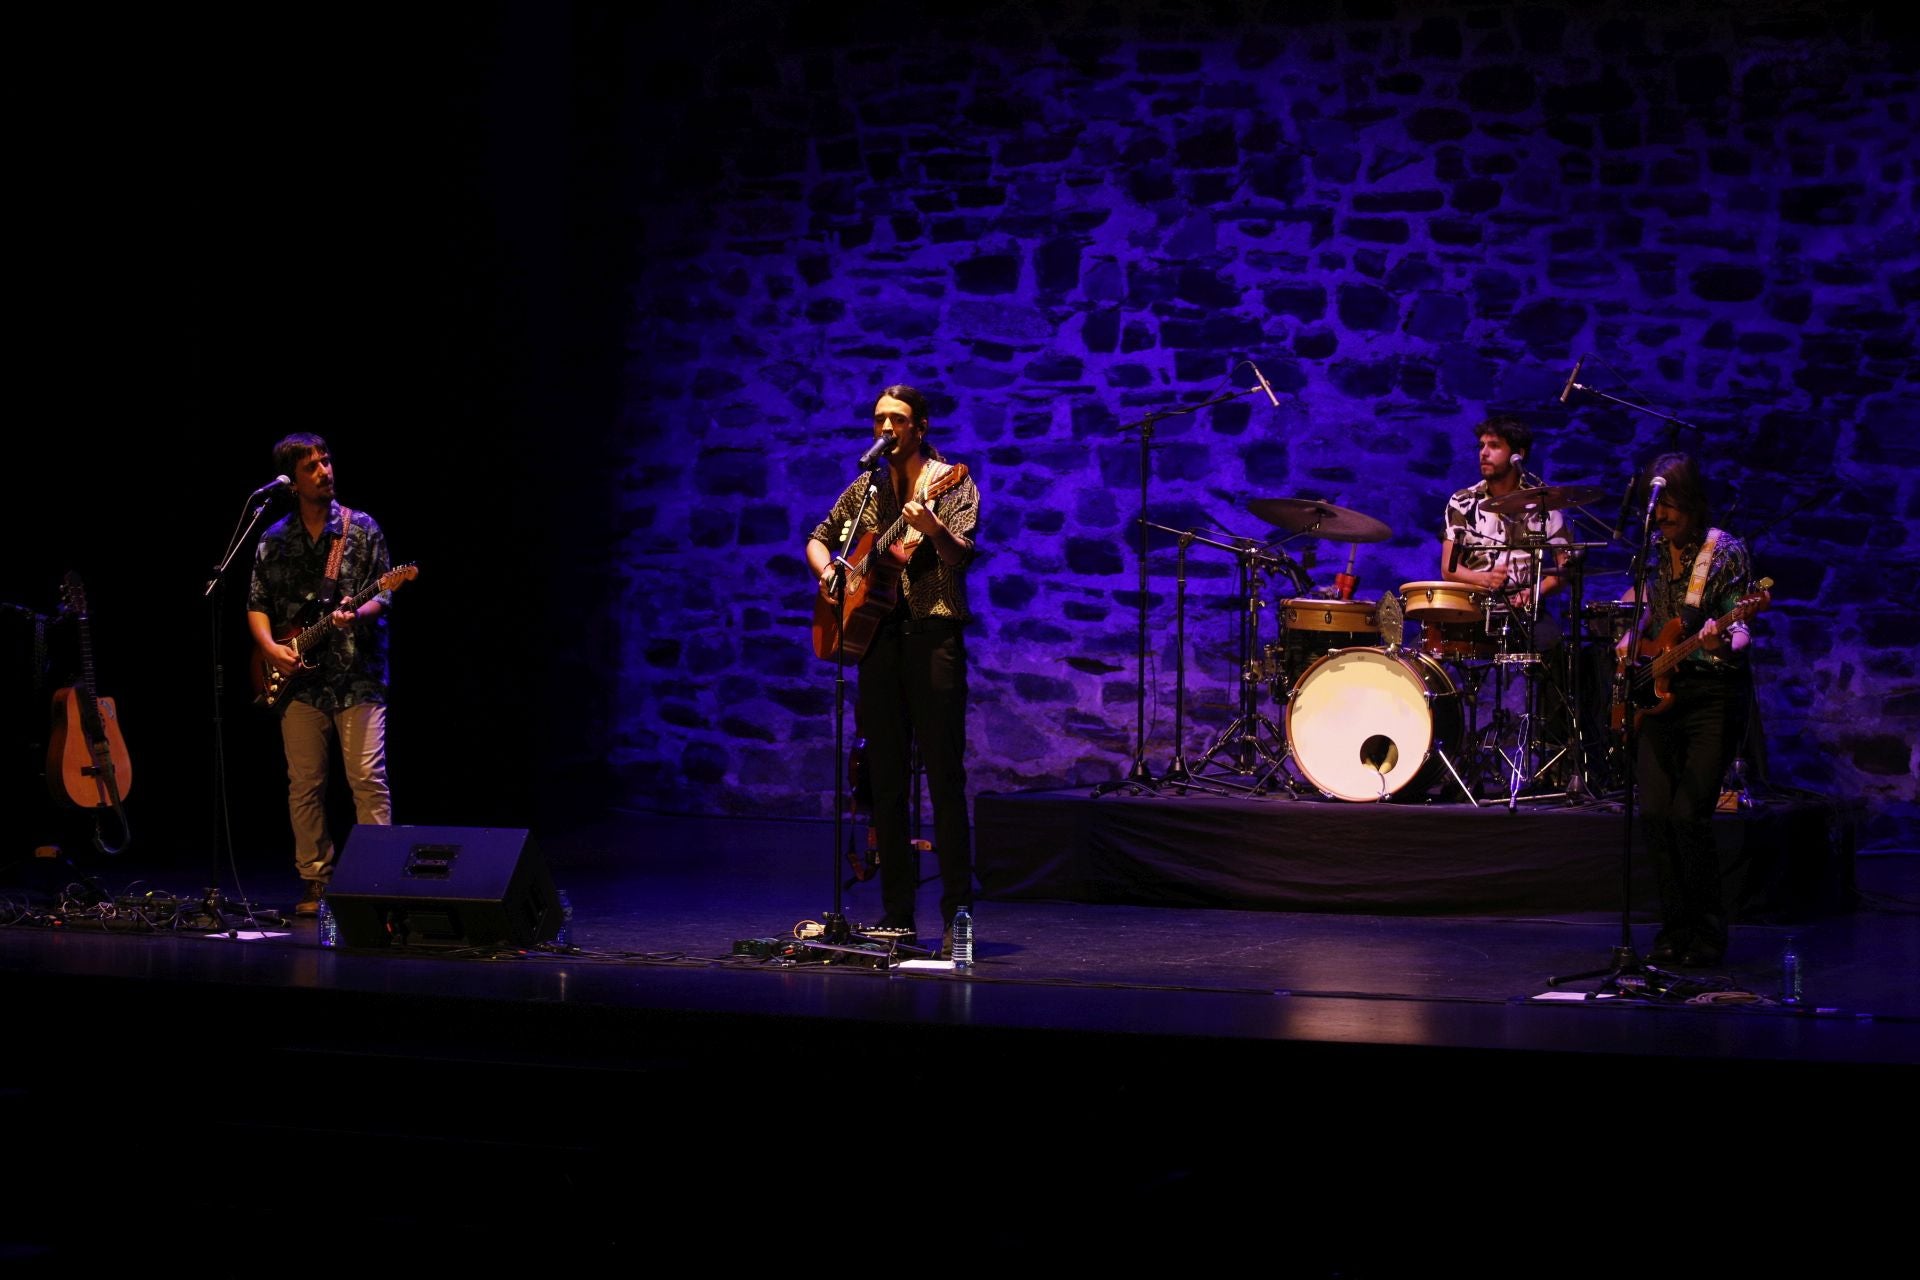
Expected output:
{"points": [[1411, 216]]}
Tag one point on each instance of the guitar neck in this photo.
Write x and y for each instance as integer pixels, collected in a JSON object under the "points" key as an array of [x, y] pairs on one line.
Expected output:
{"points": [[899, 525], [1681, 651], [89, 695], [315, 633]]}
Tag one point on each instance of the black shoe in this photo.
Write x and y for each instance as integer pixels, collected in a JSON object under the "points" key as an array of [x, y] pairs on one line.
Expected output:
{"points": [[309, 904], [946, 944], [1665, 950], [1702, 955]]}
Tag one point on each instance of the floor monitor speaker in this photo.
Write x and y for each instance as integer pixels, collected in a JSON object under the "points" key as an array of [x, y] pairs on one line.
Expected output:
{"points": [[442, 887]]}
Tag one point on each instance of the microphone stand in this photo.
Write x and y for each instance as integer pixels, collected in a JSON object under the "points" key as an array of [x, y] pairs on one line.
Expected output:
{"points": [[212, 902], [1140, 779], [1628, 974], [837, 932]]}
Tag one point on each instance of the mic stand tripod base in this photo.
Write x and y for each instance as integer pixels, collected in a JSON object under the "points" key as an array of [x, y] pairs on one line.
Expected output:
{"points": [[1139, 781], [1627, 976]]}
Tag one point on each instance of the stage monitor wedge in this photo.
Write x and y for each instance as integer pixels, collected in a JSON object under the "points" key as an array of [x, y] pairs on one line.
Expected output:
{"points": [[443, 888]]}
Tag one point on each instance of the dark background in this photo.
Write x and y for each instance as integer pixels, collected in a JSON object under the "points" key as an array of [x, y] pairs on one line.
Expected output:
{"points": [[380, 225]]}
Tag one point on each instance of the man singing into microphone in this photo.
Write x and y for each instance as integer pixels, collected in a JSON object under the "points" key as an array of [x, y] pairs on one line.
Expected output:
{"points": [[307, 565], [1699, 575], [913, 678]]}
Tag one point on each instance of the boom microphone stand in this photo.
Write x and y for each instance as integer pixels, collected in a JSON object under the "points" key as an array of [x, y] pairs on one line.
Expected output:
{"points": [[836, 921], [212, 902], [1139, 779], [1628, 974]]}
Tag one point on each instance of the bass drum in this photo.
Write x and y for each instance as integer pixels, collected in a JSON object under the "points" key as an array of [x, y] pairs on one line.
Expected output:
{"points": [[1365, 724]]}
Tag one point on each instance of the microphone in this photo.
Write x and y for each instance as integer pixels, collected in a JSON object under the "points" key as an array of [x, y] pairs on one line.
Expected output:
{"points": [[1265, 386], [882, 446], [1573, 380], [278, 482], [1653, 495]]}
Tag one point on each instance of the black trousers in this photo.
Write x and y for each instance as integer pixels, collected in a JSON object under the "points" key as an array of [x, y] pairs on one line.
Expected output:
{"points": [[913, 690], [1683, 758]]}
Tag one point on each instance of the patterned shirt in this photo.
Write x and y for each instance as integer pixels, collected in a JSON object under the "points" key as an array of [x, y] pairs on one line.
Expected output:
{"points": [[1471, 527], [289, 575], [1727, 582], [931, 587]]}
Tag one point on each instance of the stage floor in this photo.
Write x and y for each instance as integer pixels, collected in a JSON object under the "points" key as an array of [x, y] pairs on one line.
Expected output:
{"points": [[1184, 1068]]}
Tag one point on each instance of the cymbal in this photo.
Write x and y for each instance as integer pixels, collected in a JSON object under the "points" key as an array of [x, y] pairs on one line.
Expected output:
{"points": [[1321, 519], [1546, 497]]}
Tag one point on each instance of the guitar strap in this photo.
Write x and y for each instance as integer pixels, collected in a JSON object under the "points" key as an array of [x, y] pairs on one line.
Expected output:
{"points": [[333, 558], [928, 474], [1702, 565]]}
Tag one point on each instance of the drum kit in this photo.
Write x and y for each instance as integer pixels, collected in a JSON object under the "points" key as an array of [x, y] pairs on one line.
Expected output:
{"points": [[1371, 713]]}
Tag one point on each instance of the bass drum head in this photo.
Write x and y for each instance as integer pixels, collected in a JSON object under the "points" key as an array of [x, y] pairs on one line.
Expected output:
{"points": [[1363, 723]]}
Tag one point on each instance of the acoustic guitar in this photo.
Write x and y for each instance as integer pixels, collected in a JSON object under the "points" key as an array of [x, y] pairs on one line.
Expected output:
{"points": [[1645, 677], [87, 762], [871, 586], [272, 686]]}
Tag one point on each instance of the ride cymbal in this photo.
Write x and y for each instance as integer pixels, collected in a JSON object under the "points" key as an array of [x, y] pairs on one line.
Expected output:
{"points": [[1321, 519], [1546, 497]]}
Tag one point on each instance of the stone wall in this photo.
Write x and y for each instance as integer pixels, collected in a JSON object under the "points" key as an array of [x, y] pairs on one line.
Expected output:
{"points": [[1409, 215]]}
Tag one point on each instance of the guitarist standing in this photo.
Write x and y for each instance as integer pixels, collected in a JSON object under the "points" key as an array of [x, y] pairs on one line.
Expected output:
{"points": [[1699, 574], [913, 677], [306, 564]]}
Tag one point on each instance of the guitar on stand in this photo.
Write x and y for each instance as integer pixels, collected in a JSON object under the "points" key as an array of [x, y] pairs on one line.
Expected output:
{"points": [[87, 762]]}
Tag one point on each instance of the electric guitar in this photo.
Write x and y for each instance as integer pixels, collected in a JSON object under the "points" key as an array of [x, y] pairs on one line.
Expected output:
{"points": [[871, 586], [1646, 672], [271, 685], [87, 762]]}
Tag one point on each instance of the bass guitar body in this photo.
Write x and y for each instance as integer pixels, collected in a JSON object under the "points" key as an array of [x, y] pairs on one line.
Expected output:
{"points": [[1644, 682], [1649, 694]]}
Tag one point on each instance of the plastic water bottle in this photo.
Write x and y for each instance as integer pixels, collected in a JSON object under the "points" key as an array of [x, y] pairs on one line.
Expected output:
{"points": [[963, 941], [329, 925], [564, 938], [1790, 974]]}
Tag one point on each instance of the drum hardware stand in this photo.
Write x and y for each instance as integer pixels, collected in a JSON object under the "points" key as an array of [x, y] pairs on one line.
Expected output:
{"points": [[1139, 779], [1178, 777], [1392, 618], [1251, 757]]}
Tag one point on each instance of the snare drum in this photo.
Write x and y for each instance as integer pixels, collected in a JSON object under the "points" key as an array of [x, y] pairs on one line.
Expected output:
{"points": [[1456, 642], [1442, 602], [1310, 628], [1365, 724]]}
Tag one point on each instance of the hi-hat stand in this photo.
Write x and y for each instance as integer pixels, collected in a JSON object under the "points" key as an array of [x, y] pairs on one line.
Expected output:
{"points": [[1140, 779], [1254, 747]]}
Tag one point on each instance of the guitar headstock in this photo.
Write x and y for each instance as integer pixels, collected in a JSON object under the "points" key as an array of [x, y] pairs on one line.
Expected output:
{"points": [[948, 478], [1752, 604], [398, 574], [73, 595]]}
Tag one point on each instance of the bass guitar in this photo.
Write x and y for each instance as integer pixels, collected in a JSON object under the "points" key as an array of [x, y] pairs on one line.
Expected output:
{"points": [[871, 586], [87, 762], [271, 686], [1645, 678]]}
